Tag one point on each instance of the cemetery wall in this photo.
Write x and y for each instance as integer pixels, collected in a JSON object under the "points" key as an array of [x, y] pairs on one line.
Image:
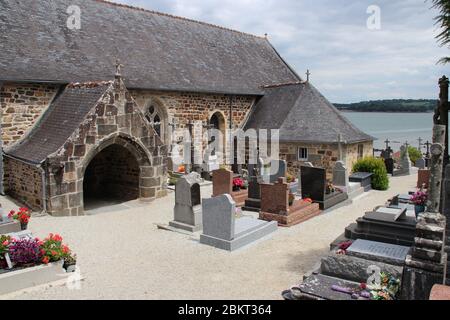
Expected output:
{"points": [[23, 182], [21, 106]]}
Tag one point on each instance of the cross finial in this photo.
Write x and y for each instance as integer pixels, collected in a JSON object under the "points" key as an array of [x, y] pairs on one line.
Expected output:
{"points": [[118, 68], [266, 35], [307, 75]]}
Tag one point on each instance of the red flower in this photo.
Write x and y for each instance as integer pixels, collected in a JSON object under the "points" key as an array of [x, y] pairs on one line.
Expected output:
{"points": [[54, 253], [45, 260], [363, 286]]}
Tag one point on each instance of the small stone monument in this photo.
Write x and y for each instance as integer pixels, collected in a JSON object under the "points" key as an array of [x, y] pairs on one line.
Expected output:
{"points": [[340, 175], [253, 203], [222, 230], [223, 184], [421, 163], [299, 178], [405, 162], [188, 209]]}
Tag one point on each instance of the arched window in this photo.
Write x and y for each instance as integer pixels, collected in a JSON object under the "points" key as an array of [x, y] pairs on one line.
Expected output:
{"points": [[155, 117]]}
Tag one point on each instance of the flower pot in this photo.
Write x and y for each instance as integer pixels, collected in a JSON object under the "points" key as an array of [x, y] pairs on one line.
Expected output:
{"points": [[70, 267], [419, 209], [236, 188], [23, 226]]}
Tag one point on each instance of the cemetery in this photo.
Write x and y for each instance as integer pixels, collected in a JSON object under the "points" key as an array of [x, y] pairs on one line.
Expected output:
{"points": [[107, 156]]}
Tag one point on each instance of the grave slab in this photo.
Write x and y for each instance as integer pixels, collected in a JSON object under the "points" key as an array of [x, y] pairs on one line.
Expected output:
{"points": [[318, 287], [9, 227], [378, 251], [364, 178]]}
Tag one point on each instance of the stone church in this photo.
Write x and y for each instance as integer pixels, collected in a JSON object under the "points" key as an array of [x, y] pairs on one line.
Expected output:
{"points": [[72, 128]]}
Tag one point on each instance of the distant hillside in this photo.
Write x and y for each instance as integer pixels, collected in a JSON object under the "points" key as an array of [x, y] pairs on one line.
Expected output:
{"points": [[398, 105]]}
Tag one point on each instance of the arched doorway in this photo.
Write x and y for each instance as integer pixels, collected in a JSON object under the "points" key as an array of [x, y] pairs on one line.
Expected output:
{"points": [[111, 177]]}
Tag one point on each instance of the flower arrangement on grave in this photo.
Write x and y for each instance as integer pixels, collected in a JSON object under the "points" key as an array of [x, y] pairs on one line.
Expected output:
{"points": [[52, 249], [419, 199], [23, 216], [4, 249], [308, 200], [330, 188], [25, 252], [245, 184], [70, 262], [343, 246], [238, 183], [290, 178], [182, 169]]}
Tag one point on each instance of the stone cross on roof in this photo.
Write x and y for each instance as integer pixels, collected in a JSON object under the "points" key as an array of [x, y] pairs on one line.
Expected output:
{"points": [[118, 68], [307, 75]]}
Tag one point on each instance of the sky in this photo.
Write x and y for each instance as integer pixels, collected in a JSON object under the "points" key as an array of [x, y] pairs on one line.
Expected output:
{"points": [[352, 52]]}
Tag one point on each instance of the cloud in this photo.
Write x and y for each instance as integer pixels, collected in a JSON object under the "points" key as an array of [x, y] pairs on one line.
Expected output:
{"points": [[348, 61]]}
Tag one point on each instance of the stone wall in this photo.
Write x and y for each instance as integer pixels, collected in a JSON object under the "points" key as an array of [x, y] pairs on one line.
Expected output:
{"points": [[23, 182], [183, 107], [21, 106], [322, 155]]}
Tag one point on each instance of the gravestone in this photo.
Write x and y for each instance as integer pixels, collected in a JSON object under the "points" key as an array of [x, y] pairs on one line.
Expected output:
{"points": [[253, 203], [404, 163], [383, 227], [423, 178], [275, 205], [222, 182], [363, 178], [420, 163], [222, 230], [313, 181], [277, 170], [188, 210], [446, 213], [389, 163], [340, 176], [306, 164], [379, 251]]}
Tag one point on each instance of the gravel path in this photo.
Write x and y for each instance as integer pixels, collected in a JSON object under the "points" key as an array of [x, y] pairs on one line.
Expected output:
{"points": [[122, 254]]}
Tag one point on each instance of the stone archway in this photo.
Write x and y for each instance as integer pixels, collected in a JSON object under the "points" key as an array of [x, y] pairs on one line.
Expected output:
{"points": [[217, 121], [118, 170], [112, 176]]}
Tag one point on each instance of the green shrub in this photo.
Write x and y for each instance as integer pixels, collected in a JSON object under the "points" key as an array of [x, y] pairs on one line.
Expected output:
{"points": [[380, 180], [414, 154]]}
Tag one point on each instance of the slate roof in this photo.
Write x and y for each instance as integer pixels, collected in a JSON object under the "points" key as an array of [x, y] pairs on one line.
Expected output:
{"points": [[302, 114], [57, 124], [158, 51]]}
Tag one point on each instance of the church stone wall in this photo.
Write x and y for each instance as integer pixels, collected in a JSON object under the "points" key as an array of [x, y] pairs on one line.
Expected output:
{"points": [[21, 106], [23, 182], [322, 155]]}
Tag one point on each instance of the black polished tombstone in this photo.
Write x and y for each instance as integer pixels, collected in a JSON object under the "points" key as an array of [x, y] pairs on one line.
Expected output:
{"points": [[253, 203], [389, 163], [364, 178], [383, 227], [314, 185]]}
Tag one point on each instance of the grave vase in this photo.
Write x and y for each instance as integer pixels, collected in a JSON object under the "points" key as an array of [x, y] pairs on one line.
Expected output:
{"points": [[23, 226], [419, 209]]}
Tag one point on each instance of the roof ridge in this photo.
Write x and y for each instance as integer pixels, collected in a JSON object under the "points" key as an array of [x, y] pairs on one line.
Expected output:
{"points": [[283, 84], [177, 17], [89, 84]]}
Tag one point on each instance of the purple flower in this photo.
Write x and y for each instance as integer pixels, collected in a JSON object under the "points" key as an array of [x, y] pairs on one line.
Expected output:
{"points": [[419, 198], [25, 251]]}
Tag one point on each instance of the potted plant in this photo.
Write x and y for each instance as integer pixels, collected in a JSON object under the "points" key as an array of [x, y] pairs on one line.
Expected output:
{"points": [[4, 249], [70, 262], [25, 252], [238, 183], [330, 188], [419, 198], [23, 216], [52, 249], [245, 185]]}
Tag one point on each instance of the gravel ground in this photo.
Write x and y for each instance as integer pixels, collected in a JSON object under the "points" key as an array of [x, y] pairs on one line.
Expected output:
{"points": [[123, 255]]}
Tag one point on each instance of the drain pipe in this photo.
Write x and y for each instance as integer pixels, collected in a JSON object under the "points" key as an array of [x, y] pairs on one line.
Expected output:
{"points": [[44, 186], [40, 167]]}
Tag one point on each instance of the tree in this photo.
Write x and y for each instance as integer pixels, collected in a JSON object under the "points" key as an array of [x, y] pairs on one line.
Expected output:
{"points": [[443, 21]]}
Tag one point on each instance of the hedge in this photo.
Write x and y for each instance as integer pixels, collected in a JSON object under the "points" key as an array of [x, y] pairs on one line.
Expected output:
{"points": [[380, 180]]}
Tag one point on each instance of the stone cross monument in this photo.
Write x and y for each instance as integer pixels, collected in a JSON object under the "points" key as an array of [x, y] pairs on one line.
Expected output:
{"points": [[427, 262]]}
